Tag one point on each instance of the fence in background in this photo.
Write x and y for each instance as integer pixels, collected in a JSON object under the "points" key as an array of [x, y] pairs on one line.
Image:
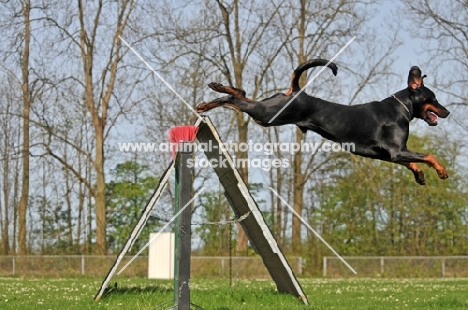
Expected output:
{"points": [[397, 266], [238, 267], [98, 266]]}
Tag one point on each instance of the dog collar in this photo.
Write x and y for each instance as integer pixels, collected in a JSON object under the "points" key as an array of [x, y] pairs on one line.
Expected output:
{"points": [[404, 106]]}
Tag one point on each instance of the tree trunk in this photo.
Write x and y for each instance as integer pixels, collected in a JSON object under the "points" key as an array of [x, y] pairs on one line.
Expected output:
{"points": [[23, 203], [242, 239], [279, 186], [100, 197], [16, 188], [98, 108], [68, 200], [298, 195], [235, 44], [79, 230], [297, 158], [6, 201]]}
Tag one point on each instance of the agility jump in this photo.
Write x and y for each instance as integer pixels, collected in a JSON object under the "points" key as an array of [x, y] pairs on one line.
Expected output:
{"points": [[242, 203]]}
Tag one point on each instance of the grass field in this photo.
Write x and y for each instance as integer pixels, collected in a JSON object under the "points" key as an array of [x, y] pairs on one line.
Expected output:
{"points": [[245, 294]]}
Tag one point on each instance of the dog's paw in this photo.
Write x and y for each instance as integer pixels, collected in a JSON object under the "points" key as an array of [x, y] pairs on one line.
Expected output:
{"points": [[442, 173], [419, 177], [216, 86]]}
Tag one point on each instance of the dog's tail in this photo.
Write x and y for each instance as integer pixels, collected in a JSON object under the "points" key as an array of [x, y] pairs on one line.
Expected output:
{"points": [[303, 67]]}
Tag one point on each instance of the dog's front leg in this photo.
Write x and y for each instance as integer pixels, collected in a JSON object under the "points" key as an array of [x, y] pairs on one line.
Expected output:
{"points": [[431, 161], [417, 172], [409, 158]]}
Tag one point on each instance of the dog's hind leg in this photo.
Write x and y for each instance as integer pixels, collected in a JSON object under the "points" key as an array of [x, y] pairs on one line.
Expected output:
{"points": [[206, 106], [236, 92]]}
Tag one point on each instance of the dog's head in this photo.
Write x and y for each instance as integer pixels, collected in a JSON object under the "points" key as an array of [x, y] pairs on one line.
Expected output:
{"points": [[425, 104]]}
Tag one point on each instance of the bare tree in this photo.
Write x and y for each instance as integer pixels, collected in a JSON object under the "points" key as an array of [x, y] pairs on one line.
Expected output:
{"points": [[27, 87], [88, 35]]}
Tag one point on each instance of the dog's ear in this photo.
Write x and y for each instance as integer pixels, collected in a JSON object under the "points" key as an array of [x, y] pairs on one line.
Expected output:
{"points": [[415, 80]]}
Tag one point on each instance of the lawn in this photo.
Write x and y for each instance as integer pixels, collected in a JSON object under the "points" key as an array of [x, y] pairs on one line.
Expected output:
{"points": [[245, 294]]}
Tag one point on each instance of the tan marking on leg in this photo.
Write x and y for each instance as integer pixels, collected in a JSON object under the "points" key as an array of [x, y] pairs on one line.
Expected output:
{"points": [[434, 163]]}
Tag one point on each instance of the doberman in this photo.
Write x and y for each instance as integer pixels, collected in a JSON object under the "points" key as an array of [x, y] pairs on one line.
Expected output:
{"points": [[378, 129]]}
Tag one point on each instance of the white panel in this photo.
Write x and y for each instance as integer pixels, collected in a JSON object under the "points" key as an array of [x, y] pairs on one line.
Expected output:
{"points": [[161, 256]]}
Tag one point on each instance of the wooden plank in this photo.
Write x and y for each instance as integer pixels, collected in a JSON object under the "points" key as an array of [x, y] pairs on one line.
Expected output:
{"points": [[242, 202]]}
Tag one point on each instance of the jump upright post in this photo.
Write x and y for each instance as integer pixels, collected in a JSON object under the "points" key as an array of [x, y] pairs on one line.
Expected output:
{"points": [[179, 136], [183, 240]]}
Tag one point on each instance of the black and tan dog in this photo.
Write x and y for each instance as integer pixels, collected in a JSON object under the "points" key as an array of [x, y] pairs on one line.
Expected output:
{"points": [[378, 129]]}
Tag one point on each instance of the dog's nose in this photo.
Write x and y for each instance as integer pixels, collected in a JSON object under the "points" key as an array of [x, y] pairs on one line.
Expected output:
{"points": [[444, 113]]}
